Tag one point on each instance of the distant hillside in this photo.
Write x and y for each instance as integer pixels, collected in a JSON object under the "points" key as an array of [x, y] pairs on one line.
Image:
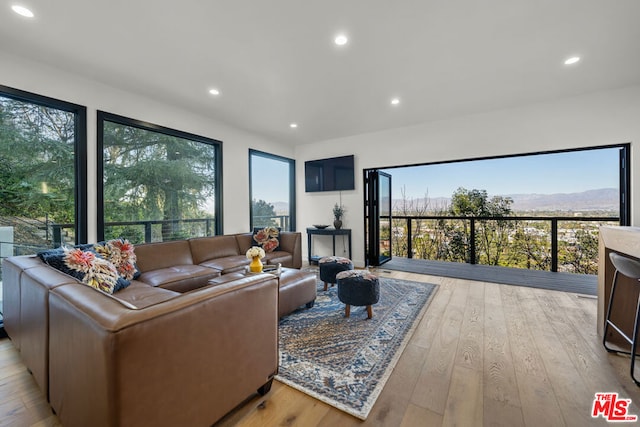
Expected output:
{"points": [[281, 207], [604, 199]]}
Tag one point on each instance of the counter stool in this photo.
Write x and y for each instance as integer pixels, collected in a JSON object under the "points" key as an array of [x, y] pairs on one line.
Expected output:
{"points": [[358, 287], [630, 268], [332, 265]]}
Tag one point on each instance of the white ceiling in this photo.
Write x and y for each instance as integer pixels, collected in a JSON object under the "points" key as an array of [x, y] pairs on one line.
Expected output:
{"points": [[275, 62]]}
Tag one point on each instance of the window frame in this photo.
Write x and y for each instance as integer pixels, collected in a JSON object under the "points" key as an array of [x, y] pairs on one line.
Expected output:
{"points": [[80, 150], [103, 116], [292, 185], [624, 167]]}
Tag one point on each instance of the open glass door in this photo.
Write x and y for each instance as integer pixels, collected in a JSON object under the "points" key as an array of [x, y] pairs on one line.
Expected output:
{"points": [[377, 216]]}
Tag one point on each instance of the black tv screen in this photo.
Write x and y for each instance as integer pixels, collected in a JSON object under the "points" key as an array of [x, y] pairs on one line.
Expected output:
{"points": [[334, 174]]}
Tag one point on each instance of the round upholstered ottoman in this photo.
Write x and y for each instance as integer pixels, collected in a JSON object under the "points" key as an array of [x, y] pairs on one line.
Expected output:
{"points": [[358, 287], [332, 265]]}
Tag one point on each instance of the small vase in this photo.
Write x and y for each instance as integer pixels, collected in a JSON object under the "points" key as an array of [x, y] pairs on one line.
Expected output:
{"points": [[256, 265], [337, 224]]}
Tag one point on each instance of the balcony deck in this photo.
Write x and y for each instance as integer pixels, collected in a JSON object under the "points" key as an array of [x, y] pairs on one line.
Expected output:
{"points": [[585, 284]]}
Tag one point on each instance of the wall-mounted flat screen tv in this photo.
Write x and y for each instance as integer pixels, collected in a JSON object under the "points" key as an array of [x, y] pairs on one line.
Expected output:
{"points": [[334, 174]]}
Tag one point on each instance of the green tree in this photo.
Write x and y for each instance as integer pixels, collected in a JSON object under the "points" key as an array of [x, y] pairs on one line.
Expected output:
{"points": [[263, 213], [492, 235], [531, 248], [36, 161], [150, 175], [580, 255]]}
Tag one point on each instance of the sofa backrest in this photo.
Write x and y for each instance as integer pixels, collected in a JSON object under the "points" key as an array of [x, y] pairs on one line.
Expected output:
{"points": [[245, 241], [154, 256], [212, 247]]}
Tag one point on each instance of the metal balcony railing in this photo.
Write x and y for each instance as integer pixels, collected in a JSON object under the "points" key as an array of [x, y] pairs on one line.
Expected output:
{"points": [[282, 221], [470, 227]]}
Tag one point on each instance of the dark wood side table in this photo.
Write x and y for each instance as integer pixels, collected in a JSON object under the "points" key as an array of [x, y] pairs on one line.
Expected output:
{"points": [[312, 231]]}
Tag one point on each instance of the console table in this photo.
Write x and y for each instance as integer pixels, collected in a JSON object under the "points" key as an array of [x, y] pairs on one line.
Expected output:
{"points": [[312, 231]]}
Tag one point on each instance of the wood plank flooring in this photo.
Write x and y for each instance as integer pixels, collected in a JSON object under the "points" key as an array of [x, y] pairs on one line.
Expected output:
{"points": [[484, 354]]}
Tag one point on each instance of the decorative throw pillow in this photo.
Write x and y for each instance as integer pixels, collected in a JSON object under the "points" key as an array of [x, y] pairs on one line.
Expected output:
{"points": [[268, 238], [85, 266], [121, 254], [96, 264]]}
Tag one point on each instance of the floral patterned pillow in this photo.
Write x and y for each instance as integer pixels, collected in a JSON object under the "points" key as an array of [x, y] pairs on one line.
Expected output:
{"points": [[267, 238]]}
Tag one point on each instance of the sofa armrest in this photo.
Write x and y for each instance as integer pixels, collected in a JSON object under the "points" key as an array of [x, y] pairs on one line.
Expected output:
{"points": [[206, 350]]}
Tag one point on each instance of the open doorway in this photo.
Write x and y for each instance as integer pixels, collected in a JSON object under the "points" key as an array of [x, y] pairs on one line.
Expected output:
{"points": [[537, 211]]}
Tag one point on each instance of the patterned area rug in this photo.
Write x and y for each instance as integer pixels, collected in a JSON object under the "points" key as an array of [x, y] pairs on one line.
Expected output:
{"points": [[345, 362]]}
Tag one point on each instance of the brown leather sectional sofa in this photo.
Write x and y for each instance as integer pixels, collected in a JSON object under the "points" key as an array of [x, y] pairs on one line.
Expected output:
{"points": [[184, 344]]}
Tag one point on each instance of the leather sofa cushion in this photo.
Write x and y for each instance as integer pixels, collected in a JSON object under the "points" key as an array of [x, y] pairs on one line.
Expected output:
{"points": [[141, 295], [180, 278], [154, 256], [212, 247], [228, 264]]}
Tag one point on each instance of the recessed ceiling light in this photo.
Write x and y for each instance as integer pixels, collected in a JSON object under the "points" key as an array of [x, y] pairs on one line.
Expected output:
{"points": [[214, 91], [572, 60], [341, 40], [293, 125], [395, 101], [22, 11]]}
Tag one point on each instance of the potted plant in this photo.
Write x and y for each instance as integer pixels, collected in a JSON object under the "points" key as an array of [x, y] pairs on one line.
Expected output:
{"points": [[338, 212]]}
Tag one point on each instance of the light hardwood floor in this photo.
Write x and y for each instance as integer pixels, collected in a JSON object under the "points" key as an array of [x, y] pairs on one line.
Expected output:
{"points": [[483, 355]]}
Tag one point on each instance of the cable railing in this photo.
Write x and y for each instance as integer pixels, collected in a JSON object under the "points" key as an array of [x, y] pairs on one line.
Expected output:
{"points": [[552, 243], [145, 231]]}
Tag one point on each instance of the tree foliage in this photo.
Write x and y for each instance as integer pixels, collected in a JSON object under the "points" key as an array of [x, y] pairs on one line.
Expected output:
{"points": [[150, 175], [263, 213], [36, 161], [492, 235]]}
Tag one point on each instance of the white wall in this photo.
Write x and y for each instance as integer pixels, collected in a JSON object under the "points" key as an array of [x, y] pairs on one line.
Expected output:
{"points": [[602, 118], [23, 74]]}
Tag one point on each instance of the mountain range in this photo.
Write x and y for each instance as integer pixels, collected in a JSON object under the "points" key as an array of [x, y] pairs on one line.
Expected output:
{"points": [[603, 199]]}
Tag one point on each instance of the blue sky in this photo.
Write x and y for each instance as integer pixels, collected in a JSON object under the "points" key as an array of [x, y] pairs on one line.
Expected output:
{"points": [[270, 179], [542, 174]]}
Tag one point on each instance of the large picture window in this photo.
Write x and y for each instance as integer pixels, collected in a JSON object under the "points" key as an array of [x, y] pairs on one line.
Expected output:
{"points": [[272, 190], [42, 174], [155, 183]]}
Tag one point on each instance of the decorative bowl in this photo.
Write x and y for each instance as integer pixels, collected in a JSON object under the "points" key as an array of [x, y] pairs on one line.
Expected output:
{"points": [[320, 226]]}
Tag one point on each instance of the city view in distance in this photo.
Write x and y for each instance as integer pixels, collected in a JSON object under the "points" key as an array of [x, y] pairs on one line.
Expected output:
{"points": [[597, 201], [564, 190]]}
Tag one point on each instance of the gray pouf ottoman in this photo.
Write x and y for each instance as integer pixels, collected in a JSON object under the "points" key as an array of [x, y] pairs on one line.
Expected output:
{"points": [[332, 265], [360, 288]]}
